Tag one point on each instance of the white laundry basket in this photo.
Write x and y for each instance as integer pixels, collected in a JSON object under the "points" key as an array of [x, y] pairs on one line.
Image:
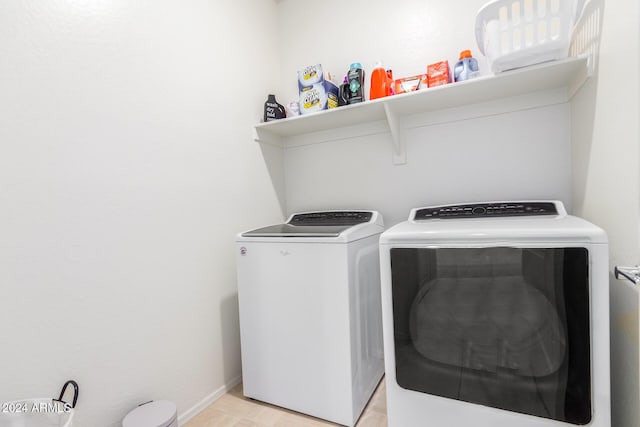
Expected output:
{"points": [[517, 33], [41, 412]]}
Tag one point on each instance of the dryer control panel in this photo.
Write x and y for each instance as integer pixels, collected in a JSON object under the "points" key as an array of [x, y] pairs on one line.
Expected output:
{"points": [[493, 210]]}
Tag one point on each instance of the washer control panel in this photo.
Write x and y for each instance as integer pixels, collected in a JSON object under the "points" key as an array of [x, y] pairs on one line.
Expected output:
{"points": [[331, 218], [492, 210]]}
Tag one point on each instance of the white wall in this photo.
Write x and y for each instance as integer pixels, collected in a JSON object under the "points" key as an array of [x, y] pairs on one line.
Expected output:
{"points": [[520, 155], [503, 157], [606, 153], [606, 135], [127, 167]]}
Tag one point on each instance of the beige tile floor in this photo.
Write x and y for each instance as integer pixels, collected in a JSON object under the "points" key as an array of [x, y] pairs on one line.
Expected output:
{"points": [[235, 410]]}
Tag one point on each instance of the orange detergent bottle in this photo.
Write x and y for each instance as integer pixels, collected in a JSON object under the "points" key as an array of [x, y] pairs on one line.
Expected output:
{"points": [[380, 82]]}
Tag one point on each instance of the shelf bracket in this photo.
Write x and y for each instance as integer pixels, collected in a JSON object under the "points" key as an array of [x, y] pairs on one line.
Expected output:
{"points": [[265, 137], [579, 79], [397, 140]]}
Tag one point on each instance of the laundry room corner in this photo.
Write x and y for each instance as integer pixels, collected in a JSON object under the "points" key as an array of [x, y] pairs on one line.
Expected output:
{"points": [[605, 131], [606, 179]]}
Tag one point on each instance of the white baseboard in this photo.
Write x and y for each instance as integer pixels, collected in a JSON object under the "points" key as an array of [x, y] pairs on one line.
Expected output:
{"points": [[208, 400]]}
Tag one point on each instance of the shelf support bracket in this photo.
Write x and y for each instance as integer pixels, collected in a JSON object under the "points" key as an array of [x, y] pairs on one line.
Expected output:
{"points": [[397, 140], [578, 80], [265, 137]]}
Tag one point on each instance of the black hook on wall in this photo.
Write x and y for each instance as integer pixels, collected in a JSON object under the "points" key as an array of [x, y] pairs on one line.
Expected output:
{"points": [[75, 392]]}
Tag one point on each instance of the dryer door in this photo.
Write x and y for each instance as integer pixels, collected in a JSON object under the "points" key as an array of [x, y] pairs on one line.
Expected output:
{"points": [[503, 327]]}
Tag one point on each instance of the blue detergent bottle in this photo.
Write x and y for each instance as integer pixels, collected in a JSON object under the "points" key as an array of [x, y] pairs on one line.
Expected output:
{"points": [[466, 68]]}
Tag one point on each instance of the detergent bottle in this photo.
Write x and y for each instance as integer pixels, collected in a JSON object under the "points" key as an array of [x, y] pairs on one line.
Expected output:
{"points": [[379, 82], [355, 77], [343, 92], [466, 68], [273, 110]]}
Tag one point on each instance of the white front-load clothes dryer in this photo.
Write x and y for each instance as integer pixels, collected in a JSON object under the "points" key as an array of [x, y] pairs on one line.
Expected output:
{"points": [[310, 315], [496, 315]]}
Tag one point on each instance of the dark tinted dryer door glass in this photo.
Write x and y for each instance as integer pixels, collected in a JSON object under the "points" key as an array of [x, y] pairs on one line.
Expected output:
{"points": [[502, 327]]}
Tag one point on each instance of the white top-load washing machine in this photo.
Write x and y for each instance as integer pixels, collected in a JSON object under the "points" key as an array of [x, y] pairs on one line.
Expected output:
{"points": [[496, 315], [310, 316]]}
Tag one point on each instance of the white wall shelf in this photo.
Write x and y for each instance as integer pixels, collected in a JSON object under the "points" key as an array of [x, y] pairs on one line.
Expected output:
{"points": [[530, 87]]}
